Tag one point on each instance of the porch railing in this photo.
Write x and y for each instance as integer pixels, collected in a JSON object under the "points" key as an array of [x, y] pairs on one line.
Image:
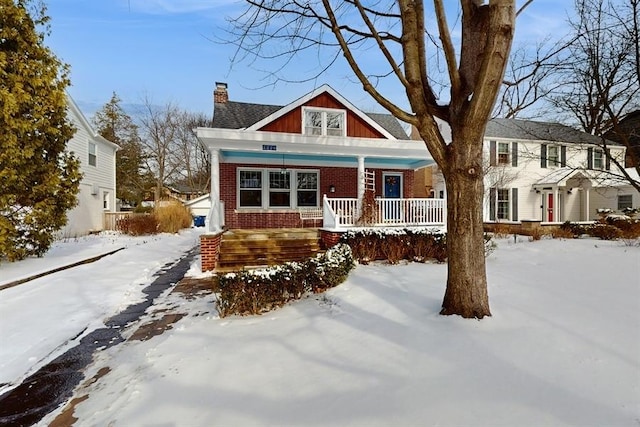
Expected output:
{"points": [[344, 213]]}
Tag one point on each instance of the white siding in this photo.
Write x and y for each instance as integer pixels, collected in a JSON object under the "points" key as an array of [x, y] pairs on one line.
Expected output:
{"points": [[98, 182]]}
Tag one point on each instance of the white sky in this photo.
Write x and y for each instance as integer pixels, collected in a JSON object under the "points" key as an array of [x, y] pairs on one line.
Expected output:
{"points": [[164, 49], [561, 348]]}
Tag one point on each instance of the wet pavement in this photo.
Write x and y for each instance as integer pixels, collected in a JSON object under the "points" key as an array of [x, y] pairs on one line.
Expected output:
{"points": [[53, 384]]}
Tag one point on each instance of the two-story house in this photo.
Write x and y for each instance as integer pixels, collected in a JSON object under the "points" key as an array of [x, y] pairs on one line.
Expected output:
{"points": [[549, 172], [97, 193]]}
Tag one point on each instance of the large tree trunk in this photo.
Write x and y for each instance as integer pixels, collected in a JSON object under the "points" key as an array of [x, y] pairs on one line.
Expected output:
{"points": [[466, 292]]}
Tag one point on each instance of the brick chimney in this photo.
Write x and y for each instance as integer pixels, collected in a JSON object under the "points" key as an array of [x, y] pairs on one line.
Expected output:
{"points": [[220, 94]]}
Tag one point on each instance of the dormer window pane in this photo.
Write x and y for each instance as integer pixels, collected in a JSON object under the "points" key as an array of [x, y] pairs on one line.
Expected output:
{"points": [[313, 124], [334, 124]]}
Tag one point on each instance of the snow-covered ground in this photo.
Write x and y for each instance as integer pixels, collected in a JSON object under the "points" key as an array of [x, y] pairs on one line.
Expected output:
{"points": [[562, 347]]}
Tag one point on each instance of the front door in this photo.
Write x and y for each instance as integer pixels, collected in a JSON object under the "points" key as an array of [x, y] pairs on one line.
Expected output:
{"points": [[392, 190], [550, 207]]}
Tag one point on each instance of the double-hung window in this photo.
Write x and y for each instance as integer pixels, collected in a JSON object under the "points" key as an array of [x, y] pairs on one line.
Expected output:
{"points": [[250, 188], [93, 154], [307, 189], [324, 121], [271, 188], [502, 203], [598, 159], [503, 153], [625, 201], [553, 156], [279, 189]]}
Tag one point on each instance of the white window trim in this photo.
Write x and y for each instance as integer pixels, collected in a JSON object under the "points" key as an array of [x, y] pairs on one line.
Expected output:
{"points": [[324, 112], [293, 190]]}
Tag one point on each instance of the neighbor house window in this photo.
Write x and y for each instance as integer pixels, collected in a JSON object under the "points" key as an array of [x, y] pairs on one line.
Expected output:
{"points": [[324, 122], [250, 188], [625, 201], [503, 203], [598, 159], [280, 188], [92, 154], [503, 153], [553, 155], [105, 200]]}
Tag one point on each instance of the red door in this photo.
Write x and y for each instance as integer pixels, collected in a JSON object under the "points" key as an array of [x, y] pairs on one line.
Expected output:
{"points": [[550, 207]]}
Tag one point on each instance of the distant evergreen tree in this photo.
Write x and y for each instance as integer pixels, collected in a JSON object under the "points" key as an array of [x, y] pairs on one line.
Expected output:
{"points": [[117, 126], [39, 180]]}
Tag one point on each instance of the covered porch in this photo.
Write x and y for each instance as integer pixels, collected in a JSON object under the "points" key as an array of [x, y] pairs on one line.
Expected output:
{"points": [[333, 173], [565, 195]]}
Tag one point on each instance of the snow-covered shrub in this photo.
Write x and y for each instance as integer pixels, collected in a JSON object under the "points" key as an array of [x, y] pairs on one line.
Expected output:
{"points": [[605, 231], [259, 291], [395, 244]]}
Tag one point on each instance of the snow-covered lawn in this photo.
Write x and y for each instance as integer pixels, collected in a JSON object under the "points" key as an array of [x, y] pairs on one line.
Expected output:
{"points": [[562, 347]]}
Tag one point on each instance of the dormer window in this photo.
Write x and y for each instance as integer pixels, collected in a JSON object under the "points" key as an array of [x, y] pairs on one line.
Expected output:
{"points": [[324, 121]]}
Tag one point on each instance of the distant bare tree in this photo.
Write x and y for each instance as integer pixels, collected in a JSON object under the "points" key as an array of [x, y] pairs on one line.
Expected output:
{"points": [[194, 172], [160, 127], [602, 80]]}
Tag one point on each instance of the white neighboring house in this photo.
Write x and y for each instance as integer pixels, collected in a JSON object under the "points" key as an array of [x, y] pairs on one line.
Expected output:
{"points": [[97, 193], [548, 172]]}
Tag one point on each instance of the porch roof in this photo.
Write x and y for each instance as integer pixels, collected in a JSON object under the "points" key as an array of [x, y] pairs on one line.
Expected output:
{"points": [[258, 147], [597, 178]]}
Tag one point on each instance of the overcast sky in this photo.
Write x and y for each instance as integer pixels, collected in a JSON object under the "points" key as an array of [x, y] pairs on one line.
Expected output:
{"points": [[165, 49]]}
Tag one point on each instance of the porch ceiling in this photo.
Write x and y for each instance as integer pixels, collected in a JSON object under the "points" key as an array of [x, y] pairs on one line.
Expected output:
{"points": [[281, 159]]}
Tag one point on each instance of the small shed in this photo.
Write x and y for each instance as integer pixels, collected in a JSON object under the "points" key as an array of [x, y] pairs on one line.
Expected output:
{"points": [[199, 206]]}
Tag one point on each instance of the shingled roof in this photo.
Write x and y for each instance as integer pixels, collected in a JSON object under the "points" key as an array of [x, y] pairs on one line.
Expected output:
{"points": [[541, 131], [240, 115]]}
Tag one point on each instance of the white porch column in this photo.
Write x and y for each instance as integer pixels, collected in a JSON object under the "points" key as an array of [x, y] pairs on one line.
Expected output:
{"points": [[556, 205], [214, 214], [361, 178]]}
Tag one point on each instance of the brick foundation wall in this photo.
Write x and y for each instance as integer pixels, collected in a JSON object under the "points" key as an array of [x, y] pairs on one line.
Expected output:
{"points": [[209, 250], [329, 239]]}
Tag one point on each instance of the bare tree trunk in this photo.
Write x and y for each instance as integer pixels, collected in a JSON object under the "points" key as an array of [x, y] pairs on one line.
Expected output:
{"points": [[466, 292]]}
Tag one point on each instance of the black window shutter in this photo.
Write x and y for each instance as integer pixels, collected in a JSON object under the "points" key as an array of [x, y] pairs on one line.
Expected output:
{"points": [[543, 155], [492, 204], [514, 154], [492, 153], [589, 158], [563, 156], [514, 204], [608, 160]]}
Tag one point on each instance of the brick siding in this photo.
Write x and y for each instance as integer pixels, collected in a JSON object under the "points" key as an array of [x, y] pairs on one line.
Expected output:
{"points": [[209, 250]]}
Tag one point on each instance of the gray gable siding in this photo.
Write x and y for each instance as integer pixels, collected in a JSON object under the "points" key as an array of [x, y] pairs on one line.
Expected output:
{"points": [[240, 115]]}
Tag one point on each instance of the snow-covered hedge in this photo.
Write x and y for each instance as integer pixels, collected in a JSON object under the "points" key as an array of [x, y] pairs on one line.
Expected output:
{"points": [[258, 291], [396, 244]]}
